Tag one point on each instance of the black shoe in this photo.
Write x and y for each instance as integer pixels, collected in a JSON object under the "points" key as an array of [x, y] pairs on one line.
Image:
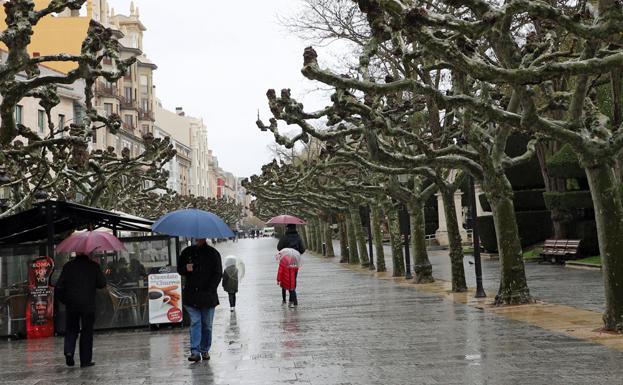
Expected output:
{"points": [[194, 358], [86, 365], [205, 356], [69, 360]]}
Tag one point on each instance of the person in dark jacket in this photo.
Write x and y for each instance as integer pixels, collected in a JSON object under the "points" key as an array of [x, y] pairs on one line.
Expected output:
{"points": [[201, 265], [76, 289], [291, 239]]}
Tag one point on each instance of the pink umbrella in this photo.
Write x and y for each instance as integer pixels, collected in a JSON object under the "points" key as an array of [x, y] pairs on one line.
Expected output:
{"points": [[90, 241], [285, 220]]}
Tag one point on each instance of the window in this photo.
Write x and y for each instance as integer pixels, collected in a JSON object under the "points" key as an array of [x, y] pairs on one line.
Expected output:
{"points": [[41, 120], [94, 137], [129, 121], [145, 104], [61, 121], [19, 114], [107, 61], [128, 94], [108, 109], [144, 83]]}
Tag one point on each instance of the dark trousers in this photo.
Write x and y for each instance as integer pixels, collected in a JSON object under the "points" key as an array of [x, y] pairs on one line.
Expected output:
{"points": [[292, 296], [232, 299], [78, 322]]}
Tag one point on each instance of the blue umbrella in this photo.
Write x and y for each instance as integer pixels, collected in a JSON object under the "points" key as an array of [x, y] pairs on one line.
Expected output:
{"points": [[192, 223]]}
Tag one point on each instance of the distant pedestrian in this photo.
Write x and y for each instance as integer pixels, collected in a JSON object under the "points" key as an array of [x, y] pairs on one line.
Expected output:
{"points": [[234, 270], [289, 262], [201, 265], [76, 289]]}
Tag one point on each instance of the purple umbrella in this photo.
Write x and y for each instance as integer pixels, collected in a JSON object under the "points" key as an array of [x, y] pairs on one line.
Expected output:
{"points": [[90, 241]]}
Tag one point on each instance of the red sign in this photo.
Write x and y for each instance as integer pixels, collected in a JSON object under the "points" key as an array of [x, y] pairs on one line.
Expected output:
{"points": [[174, 315], [40, 306]]}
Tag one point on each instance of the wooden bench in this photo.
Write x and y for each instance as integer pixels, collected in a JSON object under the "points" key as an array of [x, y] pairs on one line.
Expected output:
{"points": [[559, 250]]}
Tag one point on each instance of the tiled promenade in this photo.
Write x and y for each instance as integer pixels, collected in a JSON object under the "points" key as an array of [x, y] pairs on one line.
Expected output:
{"points": [[349, 328]]}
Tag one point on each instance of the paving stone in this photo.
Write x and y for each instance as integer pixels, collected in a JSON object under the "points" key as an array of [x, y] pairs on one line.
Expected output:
{"points": [[349, 328]]}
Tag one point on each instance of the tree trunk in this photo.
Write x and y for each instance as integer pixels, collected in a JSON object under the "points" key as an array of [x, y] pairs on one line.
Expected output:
{"points": [[319, 235], [304, 236], [395, 239], [609, 219], [421, 264], [312, 236], [513, 284], [343, 242], [455, 243], [328, 236], [353, 256], [375, 222], [361, 238], [559, 220]]}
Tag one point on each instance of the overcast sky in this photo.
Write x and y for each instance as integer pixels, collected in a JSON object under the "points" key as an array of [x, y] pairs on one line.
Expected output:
{"points": [[216, 59]]}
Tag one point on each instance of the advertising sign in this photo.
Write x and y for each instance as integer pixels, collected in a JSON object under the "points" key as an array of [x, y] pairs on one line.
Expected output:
{"points": [[40, 305], [165, 297]]}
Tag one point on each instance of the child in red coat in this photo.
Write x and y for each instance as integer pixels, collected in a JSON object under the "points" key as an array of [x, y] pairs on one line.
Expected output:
{"points": [[286, 278]]}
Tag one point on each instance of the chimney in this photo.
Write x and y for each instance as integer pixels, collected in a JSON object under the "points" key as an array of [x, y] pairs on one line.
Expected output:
{"points": [[180, 111]]}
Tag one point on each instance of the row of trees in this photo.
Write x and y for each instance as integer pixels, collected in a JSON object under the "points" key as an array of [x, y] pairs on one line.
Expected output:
{"points": [[59, 164], [437, 89]]}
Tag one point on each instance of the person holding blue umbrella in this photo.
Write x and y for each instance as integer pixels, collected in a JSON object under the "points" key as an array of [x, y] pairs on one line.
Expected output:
{"points": [[201, 266]]}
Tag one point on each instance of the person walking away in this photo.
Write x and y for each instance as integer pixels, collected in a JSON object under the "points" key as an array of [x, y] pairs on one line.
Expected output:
{"points": [[201, 266], [286, 278], [291, 239], [230, 281], [76, 289]]}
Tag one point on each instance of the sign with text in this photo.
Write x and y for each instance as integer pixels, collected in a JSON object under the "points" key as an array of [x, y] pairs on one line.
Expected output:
{"points": [[165, 298], [40, 306]]}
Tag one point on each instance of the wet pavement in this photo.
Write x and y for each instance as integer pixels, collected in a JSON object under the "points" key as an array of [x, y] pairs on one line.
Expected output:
{"points": [[581, 288], [349, 328]]}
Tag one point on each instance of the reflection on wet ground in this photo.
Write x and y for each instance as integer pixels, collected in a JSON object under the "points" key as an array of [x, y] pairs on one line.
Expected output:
{"points": [[349, 328]]}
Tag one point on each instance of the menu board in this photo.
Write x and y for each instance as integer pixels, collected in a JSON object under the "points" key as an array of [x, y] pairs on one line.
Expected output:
{"points": [[165, 297], [40, 306]]}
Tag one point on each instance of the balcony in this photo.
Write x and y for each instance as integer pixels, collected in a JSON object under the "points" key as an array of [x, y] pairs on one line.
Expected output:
{"points": [[145, 115], [101, 89], [128, 127], [128, 104]]}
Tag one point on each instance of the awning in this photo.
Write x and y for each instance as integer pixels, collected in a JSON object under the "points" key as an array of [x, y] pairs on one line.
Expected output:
{"points": [[32, 225]]}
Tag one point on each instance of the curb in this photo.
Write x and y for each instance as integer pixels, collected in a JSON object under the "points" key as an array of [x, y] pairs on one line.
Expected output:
{"points": [[582, 265]]}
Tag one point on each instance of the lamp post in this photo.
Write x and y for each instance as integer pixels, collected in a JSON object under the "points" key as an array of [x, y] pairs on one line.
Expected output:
{"points": [[480, 291], [367, 223], [405, 228], [40, 196]]}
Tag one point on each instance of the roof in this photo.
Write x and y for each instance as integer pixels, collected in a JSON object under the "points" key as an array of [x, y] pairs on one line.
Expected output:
{"points": [[31, 225]]}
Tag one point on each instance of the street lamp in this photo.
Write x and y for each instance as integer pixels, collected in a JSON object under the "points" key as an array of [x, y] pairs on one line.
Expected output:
{"points": [[40, 196], [405, 227], [472, 219], [480, 291], [367, 223]]}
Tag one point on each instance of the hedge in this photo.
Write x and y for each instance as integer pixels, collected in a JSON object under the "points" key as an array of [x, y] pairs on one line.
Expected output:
{"points": [[564, 164], [568, 200], [523, 200], [586, 231], [534, 227]]}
